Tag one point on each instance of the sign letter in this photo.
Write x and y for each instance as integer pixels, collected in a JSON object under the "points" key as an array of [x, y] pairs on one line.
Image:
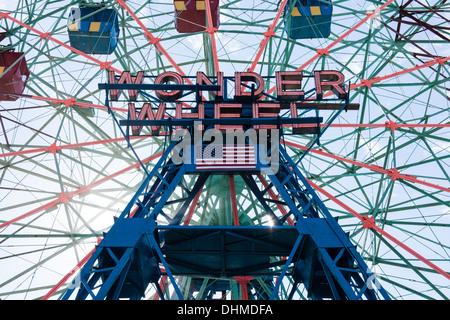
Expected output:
{"points": [[240, 93], [146, 113], [126, 78], [165, 77], [289, 84], [329, 80], [203, 79]]}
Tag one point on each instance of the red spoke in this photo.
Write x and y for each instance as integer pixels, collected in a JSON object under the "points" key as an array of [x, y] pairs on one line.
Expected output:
{"points": [[325, 51], [368, 83], [192, 208], [69, 102], [392, 172], [269, 33], [73, 102], [64, 198], [370, 223], [233, 200], [152, 39], [371, 81], [211, 31], [71, 272], [53, 147], [388, 125]]}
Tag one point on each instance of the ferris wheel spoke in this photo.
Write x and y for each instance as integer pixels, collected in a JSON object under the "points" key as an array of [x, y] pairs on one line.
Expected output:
{"points": [[391, 172], [53, 148], [211, 31], [326, 51], [152, 39], [64, 198], [417, 270], [370, 223], [70, 274], [267, 36]]}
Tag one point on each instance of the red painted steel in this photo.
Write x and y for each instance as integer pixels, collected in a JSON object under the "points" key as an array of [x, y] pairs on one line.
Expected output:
{"points": [[326, 50], [388, 125], [65, 198], [53, 147], [211, 28], [243, 281], [369, 223], [267, 34], [162, 286], [392, 172], [71, 273], [192, 208], [233, 200], [152, 39]]}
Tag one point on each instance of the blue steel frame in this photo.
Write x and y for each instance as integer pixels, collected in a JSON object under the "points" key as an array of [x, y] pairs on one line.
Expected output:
{"points": [[128, 258], [138, 251]]}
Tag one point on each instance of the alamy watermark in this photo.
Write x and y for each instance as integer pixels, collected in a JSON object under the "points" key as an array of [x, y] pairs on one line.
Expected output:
{"points": [[265, 141], [372, 281]]}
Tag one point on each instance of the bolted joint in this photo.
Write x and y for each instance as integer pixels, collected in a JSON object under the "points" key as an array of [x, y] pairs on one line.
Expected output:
{"points": [[369, 222], [323, 52], [395, 174], [70, 102], [392, 125], [105, 65]]}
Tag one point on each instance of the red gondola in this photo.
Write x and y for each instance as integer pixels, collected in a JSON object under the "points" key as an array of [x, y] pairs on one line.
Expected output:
{"points": [[14, 74], [190, 15]]}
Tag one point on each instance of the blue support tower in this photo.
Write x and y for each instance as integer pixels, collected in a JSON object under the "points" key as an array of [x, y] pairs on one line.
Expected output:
{"points": [[139, 250]]}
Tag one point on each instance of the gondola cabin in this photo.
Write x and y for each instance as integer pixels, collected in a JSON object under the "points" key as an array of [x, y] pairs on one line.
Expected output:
{"points": [[308, 19], [14, 75], [191, 15], [93, 30]]}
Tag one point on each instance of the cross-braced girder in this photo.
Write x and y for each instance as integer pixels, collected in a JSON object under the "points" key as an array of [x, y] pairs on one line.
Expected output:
{"points": [[148, 241]]}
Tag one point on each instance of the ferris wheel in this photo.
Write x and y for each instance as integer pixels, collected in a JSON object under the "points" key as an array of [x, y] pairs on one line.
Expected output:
{"points": [[69, 169]]}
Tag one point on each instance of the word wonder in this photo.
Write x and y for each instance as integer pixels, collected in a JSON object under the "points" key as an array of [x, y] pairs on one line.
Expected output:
{"points": [[248, 85]]}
